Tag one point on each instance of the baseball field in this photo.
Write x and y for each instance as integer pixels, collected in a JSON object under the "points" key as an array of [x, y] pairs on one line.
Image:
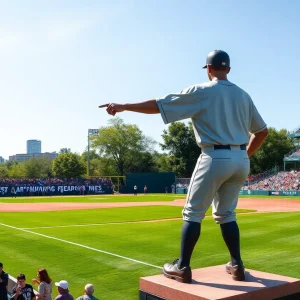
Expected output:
{"points": [[112, 241]]}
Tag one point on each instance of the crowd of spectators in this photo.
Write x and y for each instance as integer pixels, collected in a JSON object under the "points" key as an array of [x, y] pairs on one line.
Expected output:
{"points": [[54, 181], [185, 182], [21, 290], [255, 177], [282, 181], [295, 154], [55, 186], [182, 183]]}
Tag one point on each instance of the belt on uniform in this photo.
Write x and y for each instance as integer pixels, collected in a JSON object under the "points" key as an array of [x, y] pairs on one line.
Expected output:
{"points": [[227, 147]]}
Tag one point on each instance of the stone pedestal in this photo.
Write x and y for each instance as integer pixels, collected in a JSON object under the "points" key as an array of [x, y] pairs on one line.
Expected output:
{"points": [[213, 283]]}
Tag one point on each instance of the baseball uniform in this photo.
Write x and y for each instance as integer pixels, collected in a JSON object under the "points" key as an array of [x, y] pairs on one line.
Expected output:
{"points": [[222, 115]]}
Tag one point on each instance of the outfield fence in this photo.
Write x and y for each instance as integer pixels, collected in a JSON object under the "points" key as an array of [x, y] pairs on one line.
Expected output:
{"points": [[270, 193]]}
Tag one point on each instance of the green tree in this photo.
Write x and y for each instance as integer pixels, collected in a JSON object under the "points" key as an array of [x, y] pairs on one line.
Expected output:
{"points": [[104, 167], [64, 151], [68, 165], [143, 162], [180, 143], [163, 162], [121, 142], [16, 170], [271, 154], [4, 171], [38, 167], [10, 163], [101, 166], [93, 155]]}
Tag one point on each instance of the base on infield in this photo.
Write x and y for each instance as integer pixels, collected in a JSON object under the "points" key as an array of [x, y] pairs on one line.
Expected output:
{"points": [[213, 283]]}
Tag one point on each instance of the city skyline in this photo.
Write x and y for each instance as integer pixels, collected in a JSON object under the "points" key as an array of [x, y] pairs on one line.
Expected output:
{"points": [[33, 149], [61, 60], [25, 151]]}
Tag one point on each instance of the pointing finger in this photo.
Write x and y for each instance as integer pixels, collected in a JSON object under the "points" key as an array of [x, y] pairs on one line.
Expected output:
{"points": [[104, 105]]}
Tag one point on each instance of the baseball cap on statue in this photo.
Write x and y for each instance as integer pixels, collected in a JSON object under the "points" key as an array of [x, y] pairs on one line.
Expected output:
{"points": [[62, 284], [217, 58]]}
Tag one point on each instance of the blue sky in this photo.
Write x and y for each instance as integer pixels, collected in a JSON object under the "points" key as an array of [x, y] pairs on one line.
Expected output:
{"points": [[60, 59]]}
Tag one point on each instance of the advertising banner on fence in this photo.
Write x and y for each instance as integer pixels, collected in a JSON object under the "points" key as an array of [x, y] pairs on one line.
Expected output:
{"points": [[54, 190], [290, 193], [284, 193], [269, 193], [274, 193]]}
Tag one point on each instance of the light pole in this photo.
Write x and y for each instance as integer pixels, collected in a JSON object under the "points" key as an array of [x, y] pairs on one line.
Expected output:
{"points": [[91, 132]]}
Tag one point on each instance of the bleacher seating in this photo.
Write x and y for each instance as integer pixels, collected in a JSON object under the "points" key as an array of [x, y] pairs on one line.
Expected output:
{"points": [[282, 181]]}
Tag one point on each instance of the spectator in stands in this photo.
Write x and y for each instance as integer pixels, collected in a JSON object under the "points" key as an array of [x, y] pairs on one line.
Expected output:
{"points": [[88, 293], [23, 291], [3, 283], [44, 285], [63, 290]]}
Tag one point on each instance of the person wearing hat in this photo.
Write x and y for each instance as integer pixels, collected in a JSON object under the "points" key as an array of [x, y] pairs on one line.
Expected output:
{"points": [[88, 293], [222, 115], [3, 283], [63, 290]]}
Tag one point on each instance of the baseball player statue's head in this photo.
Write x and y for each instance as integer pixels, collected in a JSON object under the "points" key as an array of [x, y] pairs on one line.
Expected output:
{"points": [[217, 65]]}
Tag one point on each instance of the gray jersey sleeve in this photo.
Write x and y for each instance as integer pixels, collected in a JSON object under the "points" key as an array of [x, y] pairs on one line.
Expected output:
{"points": [[257, 123], [180, 106]]}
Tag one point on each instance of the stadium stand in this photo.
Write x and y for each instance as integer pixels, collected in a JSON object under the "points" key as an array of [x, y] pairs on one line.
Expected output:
{"points": [[55, 186], [294, 154], [283, 181], [54, 181]]}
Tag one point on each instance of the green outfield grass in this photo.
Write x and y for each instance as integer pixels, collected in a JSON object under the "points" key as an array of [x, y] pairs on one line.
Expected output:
{"points": [[95, 216], [95, 198], [123, 198], [114, 248]]}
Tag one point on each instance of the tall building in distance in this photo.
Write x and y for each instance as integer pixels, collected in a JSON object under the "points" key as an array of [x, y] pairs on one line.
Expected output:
{"points": [[34, 146], [2, 160], [34, 150]]}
